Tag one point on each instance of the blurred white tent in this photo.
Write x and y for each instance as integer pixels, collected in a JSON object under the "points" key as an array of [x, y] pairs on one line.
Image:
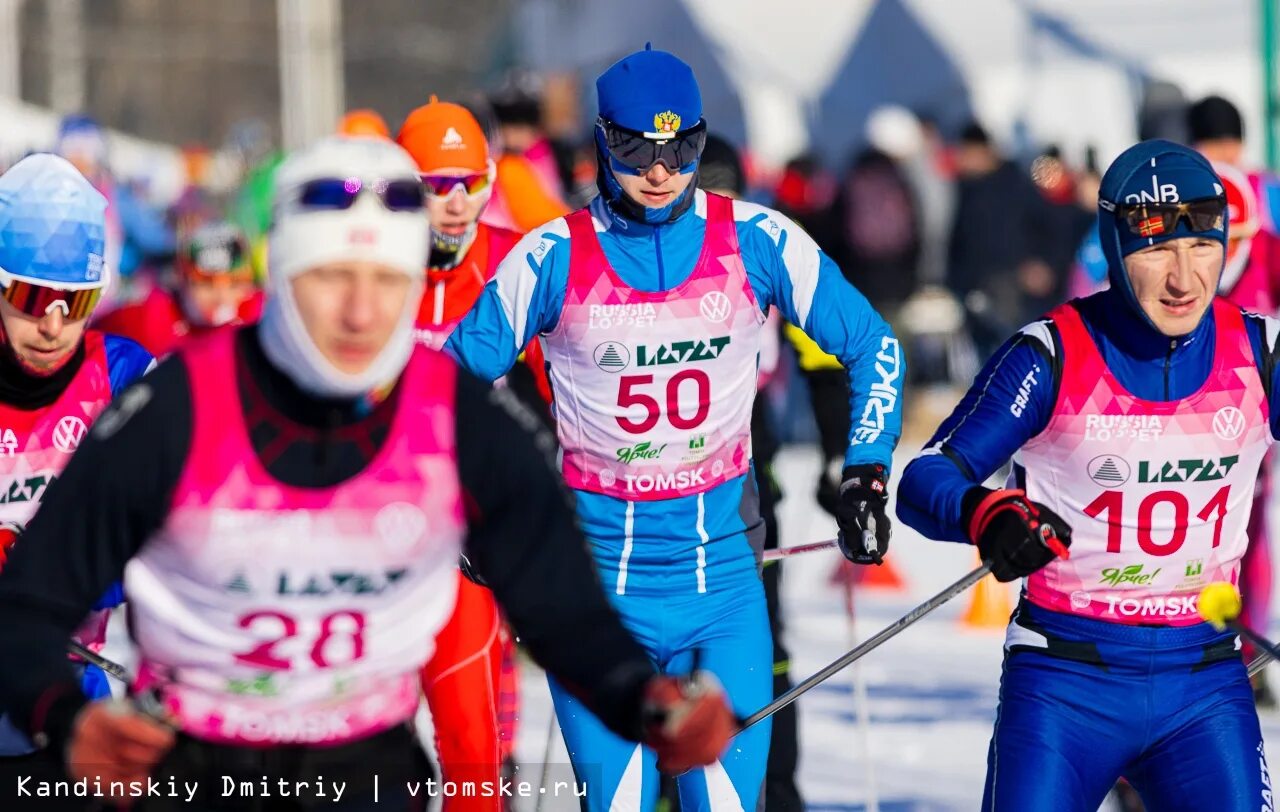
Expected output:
{"points": [[26, 128], [805, 73]]}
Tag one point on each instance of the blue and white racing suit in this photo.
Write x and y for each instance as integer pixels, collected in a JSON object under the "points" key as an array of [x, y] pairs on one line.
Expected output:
{"points": [[682, 571]]}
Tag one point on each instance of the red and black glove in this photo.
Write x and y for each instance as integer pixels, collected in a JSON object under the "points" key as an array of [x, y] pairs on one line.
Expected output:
{"points": [[9, 532], [688, 723], [1015, 535], [862, 514]]}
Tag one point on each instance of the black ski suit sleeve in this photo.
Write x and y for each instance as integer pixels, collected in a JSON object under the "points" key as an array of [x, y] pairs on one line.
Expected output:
{"points": [[524, 541]]}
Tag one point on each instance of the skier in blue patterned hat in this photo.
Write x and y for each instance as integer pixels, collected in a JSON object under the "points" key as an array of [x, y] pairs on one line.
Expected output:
{"points": [[55, 375]]}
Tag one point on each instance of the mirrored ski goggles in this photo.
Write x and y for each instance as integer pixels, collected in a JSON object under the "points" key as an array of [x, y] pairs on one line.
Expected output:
{"points": [[341, 193], [637, 152], [38, 301], [448, 185], [1155, 219]]}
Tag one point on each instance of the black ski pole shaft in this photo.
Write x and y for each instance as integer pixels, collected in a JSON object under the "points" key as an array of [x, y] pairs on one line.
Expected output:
{"points": [[93, 658], [868, 645]]}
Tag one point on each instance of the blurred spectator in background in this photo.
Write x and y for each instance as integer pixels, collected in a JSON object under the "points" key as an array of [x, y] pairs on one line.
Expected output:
{"points": [[933, 175], [211, 286], [993, 235], [878, 215], [1063, 221], [530, 188], [805, 192], [1088, 273], [1250, 279], [363, 121], [196, 205], [136, 233]]}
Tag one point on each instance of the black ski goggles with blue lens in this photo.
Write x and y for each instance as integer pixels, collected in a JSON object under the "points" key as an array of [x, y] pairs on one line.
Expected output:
{"points": [[637, 152]]}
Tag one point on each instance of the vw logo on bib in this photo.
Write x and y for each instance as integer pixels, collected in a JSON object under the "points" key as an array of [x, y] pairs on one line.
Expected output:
{"points": [[68, 433], [400, 524], [1228, 423], [714, 306]]}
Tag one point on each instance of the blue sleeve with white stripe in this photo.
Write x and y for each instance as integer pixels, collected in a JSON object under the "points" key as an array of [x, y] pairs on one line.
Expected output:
{"points": [[524, 298], [1010, 402], [789, 271], [126, 361]]}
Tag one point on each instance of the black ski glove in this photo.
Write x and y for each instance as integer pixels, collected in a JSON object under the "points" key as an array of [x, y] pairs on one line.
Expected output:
{"points": [[864, 524], [1015, 535]]}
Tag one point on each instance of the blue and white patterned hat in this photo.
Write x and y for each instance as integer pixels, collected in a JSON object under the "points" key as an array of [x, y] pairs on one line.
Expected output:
{"points": [[52, 224]]}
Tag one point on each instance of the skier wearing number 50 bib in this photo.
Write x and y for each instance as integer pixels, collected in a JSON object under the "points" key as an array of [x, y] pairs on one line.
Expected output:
{"points": [[1136, 418], [288, 502], [650, 304]]}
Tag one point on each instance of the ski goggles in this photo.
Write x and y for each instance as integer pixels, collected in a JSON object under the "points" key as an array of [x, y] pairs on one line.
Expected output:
{"points": [[217, 258], [637, 152], [38, 301], [341, 193], [448, 185], [1157, 219]]}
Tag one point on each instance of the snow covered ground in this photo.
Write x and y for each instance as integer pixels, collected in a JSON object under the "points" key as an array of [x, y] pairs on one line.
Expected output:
{"points": [[932, 690]]}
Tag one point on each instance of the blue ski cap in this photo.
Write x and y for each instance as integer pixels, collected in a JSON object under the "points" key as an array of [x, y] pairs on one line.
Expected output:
{"points": [[650, 91], [647, 91], [1154, 171], [52, 224], [81, 136]]}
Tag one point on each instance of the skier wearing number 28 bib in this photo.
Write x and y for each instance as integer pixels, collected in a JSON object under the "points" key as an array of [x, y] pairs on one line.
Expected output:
{"points": [[1136, 418], [287, 502], [650, 304]]}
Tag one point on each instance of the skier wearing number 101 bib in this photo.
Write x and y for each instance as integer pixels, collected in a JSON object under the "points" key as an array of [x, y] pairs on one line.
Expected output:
{"points": [[1136, 418], [650, 303]]}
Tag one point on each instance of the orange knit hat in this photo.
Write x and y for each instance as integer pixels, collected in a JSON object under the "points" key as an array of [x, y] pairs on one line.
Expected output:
{"points": [[442, 135], [364, 122]]}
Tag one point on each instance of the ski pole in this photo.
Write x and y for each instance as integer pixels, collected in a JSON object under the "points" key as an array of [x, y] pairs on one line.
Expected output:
{"points": [[1260, 662], [779, 553], [869, 544], [870, 644], [862, 709], [93, 658], [147, 701], [1220, 605]]}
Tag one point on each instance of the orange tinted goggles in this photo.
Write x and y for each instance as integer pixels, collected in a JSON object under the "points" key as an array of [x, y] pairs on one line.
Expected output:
{"points": [[38, 300]]}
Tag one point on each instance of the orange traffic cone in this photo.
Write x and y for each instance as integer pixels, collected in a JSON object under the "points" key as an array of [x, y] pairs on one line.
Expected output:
{"points": [[884, 576], [990, 606]]}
